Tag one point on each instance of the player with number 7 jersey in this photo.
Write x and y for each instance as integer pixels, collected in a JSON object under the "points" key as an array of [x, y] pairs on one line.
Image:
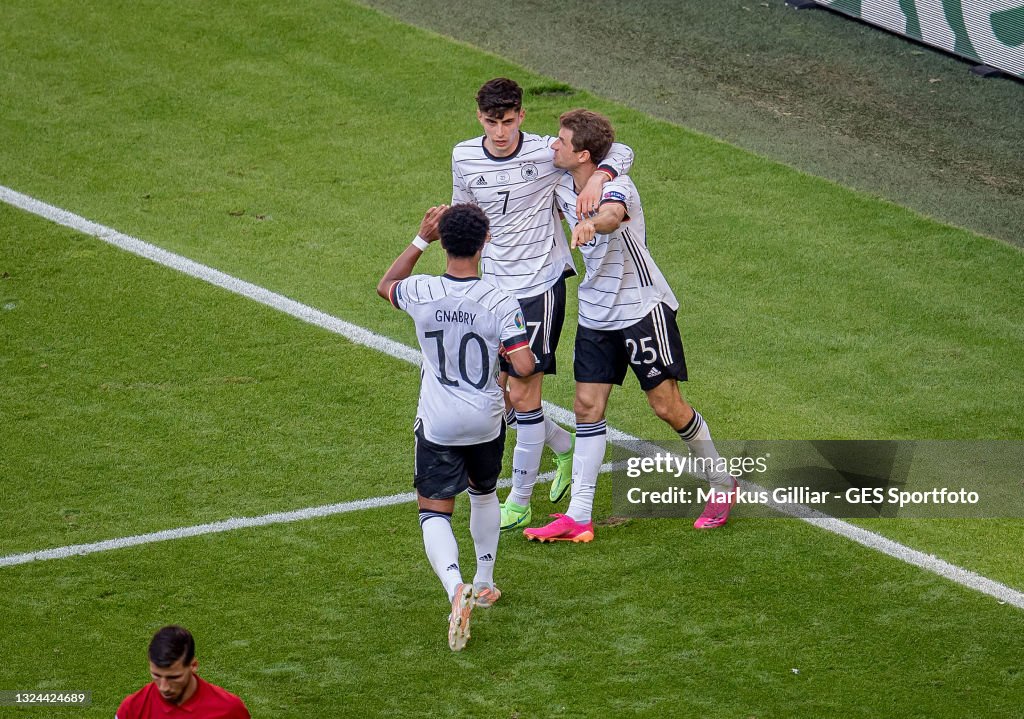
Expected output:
{"points": [[511, 176]]}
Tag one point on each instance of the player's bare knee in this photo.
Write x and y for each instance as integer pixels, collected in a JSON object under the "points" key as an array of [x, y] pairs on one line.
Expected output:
{"points": [[588, 410], [525, 394], [668, 409]]}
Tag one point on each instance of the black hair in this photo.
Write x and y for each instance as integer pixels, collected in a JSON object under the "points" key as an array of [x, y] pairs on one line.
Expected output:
{"points": [[170, 644], [463, 230], [498, 96]]}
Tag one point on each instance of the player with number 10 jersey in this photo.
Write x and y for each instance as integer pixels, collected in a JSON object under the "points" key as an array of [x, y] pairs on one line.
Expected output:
{"points": [[460, 322]]}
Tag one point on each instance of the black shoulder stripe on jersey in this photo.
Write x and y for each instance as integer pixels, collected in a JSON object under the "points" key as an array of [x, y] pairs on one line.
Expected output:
{"points": [[487, 296]]}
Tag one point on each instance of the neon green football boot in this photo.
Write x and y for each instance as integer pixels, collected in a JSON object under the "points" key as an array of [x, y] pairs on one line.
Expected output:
{"points": [[563, 474], [514, 516]]}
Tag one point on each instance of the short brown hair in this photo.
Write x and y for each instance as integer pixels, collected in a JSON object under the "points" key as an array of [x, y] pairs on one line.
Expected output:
{"points": [[590, 131], [498, 96]]}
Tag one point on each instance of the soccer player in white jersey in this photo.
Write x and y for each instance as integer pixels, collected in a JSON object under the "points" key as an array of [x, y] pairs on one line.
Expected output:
{"points": [[627, 317], [462, 322], [510, 174]]}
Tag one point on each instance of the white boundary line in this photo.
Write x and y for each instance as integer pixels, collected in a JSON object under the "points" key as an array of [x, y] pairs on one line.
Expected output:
{"points": [[228, 525], [397, 350]]}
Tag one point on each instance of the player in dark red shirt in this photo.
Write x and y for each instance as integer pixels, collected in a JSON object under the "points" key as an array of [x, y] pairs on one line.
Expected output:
{"points": [[176, 689]]}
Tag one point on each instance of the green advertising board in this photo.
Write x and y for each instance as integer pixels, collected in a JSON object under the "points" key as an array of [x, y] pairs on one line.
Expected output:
{"points": [[989, 32]]}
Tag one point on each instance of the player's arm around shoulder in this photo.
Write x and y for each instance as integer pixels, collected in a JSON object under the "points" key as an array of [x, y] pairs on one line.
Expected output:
{"points": [[618, 162], [403, 265]]}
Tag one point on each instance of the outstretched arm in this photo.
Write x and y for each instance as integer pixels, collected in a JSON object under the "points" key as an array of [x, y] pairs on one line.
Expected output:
{"points": [[402, 266], [608, 219]]}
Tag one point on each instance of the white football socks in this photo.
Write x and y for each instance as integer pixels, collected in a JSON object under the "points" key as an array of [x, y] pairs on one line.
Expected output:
{"points": [[526, 457], [484, 526], [442, 549], [698, 439], [556, 436], [587, 457]]}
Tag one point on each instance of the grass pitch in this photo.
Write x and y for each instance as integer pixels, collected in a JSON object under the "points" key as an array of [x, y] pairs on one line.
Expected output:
{"points": [[296, 147]]}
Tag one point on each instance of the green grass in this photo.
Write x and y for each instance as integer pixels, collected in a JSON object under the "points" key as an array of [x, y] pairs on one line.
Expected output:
{"points": [[296, 147], [341, 617], [140, 399]]}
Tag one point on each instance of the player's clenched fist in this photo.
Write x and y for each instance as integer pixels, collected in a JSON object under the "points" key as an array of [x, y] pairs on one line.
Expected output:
{"points": [[583, 233]]}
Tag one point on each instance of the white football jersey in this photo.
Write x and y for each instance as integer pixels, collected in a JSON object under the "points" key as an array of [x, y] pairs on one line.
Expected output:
{"points": [[528, 251], [460, 323], [622, 284]]}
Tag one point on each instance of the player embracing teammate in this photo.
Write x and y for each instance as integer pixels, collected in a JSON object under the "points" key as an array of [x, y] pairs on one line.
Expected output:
{"points": [[511, 176], [627, 318], [481, 334], [627, 310]]}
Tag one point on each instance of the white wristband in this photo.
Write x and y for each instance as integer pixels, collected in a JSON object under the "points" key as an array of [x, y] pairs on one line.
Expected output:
{"points": [[420, 243]]}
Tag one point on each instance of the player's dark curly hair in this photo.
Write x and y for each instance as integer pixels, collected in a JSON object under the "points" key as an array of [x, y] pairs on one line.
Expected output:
{"points": [[171, 644], [498, 96], [590, 131], [463, 230]]}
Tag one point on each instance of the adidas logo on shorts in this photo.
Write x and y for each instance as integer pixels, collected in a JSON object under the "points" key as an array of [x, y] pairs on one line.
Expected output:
{"points": [[653, 373]]}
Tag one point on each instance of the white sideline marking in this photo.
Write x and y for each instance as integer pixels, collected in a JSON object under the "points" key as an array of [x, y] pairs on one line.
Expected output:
{"points": [[228, 525], [352, 332], [397, 350]]}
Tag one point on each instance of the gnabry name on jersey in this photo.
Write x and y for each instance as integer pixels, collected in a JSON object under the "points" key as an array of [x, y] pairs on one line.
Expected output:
{"points": [[455, 316]]}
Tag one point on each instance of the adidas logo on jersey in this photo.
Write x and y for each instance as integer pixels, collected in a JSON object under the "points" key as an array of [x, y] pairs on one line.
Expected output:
{"points": [[653, 373], [480, 181]]}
